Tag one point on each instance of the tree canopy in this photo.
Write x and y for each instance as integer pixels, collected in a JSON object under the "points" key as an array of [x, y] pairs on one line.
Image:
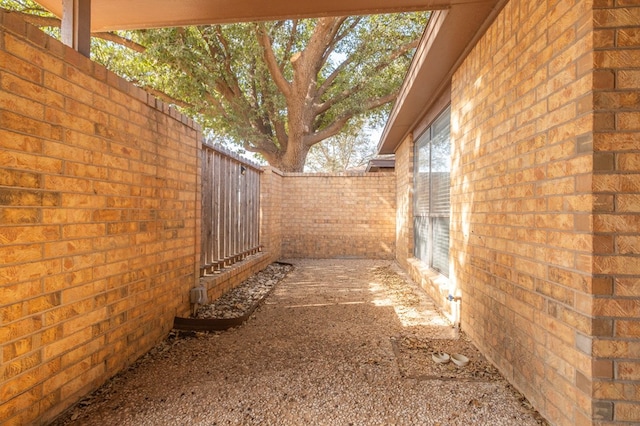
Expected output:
{"points": [[278, 88], [281, 87]]}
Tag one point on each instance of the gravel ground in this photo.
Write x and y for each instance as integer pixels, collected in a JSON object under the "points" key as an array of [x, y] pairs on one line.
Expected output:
{"points": [[337, 342]]}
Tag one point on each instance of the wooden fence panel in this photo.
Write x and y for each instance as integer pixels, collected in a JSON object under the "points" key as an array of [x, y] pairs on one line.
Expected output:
{"points": [[230, 209]]}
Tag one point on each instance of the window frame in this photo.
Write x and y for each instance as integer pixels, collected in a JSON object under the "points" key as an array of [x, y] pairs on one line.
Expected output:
{"points": [[428, 229]]}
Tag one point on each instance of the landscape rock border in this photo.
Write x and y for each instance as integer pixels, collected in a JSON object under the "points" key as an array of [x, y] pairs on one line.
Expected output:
{"points": [[221, 324]]}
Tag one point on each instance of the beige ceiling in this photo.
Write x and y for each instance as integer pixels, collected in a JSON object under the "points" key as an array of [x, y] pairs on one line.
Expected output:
{"points": [[109, 15]]}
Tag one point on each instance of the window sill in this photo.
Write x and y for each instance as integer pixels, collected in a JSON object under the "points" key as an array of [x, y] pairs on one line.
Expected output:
{"points": [[435, 277]]}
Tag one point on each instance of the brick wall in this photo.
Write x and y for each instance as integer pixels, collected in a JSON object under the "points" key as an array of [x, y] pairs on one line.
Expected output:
{"points": [[522, 243], [404, 203], [616, 219], [338, 215], [546, 205], [545, 148], [99, 224], [271, 193]]}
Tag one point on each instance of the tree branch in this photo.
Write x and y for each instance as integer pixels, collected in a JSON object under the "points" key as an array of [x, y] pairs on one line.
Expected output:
{"points": [[120, 40], [270, 59], [325, 106], [338, 36], [266, 148], [226, 55], [378, 102], [397, 53], [321, 43], [338, 124], [331, 130], [226, 82], [292, 37], [329, 81]]}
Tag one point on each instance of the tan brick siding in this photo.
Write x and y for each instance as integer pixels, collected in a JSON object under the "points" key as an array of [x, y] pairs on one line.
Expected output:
{"points": [[100, 218], [616, 216], [341, 215], [521, 238], [404, 202]]}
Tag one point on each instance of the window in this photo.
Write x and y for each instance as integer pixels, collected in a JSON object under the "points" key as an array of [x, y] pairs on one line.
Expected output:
{"points": [[432, 168]]}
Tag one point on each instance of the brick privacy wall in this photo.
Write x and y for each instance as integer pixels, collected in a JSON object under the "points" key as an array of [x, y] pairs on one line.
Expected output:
{"points": [[616, 219], [99, 224], [521, 235], [271, 194], [338, 215]]}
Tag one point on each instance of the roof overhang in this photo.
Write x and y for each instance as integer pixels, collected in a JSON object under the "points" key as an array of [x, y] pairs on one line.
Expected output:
{"points": [[109, 15], [381, 163], [447, 40]]}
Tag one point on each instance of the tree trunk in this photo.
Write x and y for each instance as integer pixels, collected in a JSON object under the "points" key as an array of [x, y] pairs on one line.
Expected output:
{"points": [[293, 159]]}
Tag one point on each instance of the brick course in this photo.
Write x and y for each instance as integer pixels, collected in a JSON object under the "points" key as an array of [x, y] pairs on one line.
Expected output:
{"points": [[521, 146], [338, 215], [99, 224], [616, 57]]}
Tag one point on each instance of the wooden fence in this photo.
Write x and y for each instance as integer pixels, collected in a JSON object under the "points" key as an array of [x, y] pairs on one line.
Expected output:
{"points": [[230, 209]]}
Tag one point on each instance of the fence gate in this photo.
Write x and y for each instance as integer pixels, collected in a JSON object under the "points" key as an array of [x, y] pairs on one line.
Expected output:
{"points": [[230, 209]]}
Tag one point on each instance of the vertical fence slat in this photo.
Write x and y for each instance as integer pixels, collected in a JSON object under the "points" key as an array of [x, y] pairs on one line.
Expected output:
{"points": [[255, 195], [235, 178], [244, 218], [215, 216], [206, 219], [230, 186], [224, 205]]}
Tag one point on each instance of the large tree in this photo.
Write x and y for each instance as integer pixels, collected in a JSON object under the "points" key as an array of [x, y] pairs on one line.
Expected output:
{"points": [[278, 88], [281, 87]]}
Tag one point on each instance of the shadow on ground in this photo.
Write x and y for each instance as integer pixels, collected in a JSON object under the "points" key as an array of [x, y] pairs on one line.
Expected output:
{"points": [[338, 342]]}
